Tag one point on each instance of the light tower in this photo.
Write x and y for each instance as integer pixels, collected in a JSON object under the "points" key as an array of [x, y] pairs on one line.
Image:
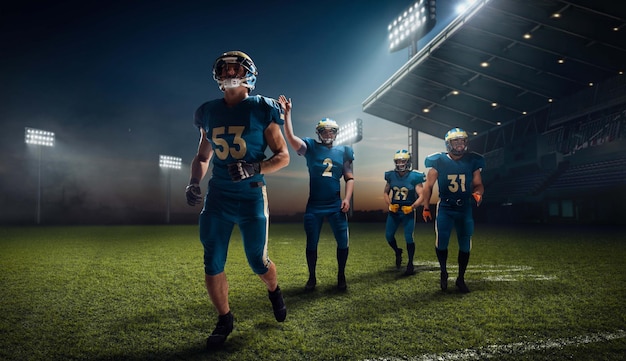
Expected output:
{"points": [[168, 163], [38, 138]]}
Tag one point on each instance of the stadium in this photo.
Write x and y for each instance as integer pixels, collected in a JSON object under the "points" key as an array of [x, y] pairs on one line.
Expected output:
{"points": [[539, 85]]}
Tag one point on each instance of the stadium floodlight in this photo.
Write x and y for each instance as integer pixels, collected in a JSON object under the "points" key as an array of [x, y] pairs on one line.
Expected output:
{"points": [[39, 138], [411, 25], [168, 162], [350, 133]]}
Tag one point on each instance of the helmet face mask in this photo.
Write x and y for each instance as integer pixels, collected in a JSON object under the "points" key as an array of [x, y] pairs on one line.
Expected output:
{"points": [[234, 69], [327, 130], [402, 160], [457, 141]]}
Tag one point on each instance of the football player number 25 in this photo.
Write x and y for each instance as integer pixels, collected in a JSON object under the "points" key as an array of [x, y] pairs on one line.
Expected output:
{"points": [[456, 181], [237, 150]]}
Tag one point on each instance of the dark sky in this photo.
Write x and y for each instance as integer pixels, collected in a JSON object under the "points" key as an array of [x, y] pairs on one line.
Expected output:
{"points": [[118, 83]]}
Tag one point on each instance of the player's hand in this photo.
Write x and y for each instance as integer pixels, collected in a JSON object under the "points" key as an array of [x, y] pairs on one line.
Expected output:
{"points": [[478, 198], [194, 194], [407, 209], [426, 214], [242, 170], [345, 205], [285, 103], [393, 208]]}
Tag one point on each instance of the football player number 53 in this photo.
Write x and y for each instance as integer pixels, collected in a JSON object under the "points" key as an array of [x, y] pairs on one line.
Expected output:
{"points": [[237, 150]]}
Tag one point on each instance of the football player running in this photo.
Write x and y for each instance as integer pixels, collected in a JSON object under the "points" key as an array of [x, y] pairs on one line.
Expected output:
{"points": [[457, 172], [402, 191], [327, 164], [234, 133]]}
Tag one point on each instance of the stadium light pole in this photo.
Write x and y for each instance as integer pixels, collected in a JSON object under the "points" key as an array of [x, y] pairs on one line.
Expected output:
{"points": [[168, 163], [411, 25], [39, 138], [350, 133]]}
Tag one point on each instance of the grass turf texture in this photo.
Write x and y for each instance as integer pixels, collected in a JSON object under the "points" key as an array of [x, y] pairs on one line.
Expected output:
{"points": [[137, 293]]}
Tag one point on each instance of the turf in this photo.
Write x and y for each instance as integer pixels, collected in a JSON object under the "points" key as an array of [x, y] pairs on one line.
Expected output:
{"points": [[137, 293]]}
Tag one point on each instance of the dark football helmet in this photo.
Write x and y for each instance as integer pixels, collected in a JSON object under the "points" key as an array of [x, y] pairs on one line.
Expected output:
{"points": [[235, 60]]}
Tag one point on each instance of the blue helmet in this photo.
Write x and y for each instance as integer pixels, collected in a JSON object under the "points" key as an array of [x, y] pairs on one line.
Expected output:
{"points": [[456, 133], [241, 59]]}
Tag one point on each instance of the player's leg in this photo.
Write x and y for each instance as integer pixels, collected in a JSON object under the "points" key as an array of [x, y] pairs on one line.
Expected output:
{"points": [[254, 226], [391, 226], [465, 230], [339, 224], [443, 228], [409, 227], [215, 234], [312, 228]]}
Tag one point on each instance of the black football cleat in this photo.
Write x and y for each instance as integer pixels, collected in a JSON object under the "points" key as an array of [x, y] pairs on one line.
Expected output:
{"points": [[410, 269], [223, 328], [399, 258], [460, 284], [310, 284], [443, 281], [341, 283], [278, 304]]}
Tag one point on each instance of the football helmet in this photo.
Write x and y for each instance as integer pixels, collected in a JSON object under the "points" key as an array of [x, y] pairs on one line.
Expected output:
{"points": [[327, 137], [235, 60], [453, 134], [402, 160]]}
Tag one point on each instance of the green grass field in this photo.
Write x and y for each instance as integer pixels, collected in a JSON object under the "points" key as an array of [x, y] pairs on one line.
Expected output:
{"points": [[137, 293]]}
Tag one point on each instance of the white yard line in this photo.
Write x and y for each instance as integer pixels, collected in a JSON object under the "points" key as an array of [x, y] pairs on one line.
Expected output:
{"points": [[491, 351]]}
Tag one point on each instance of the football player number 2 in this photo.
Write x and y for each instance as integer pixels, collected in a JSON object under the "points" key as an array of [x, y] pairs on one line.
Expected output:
{"points": [[328, 171], [457, 181], [237, 150]]}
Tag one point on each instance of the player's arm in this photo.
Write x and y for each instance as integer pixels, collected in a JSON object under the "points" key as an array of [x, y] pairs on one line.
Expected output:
{"points": [[348, 177], [419, 190], [278, 146], [199, 168], [478, 189], [427, 192], [386, 196], [294, 141]]}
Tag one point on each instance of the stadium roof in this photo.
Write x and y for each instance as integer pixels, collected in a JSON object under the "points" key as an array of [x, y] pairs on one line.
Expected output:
{"points": [[536, 52]]}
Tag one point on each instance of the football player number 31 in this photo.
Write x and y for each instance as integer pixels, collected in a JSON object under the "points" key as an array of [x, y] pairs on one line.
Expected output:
{"points": [[456, 181], [237, 150]]}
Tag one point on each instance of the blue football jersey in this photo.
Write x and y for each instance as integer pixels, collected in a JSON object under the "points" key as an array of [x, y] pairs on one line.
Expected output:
{"points": [[237, 133], [325, 172], [455, 176], [403, 186]]}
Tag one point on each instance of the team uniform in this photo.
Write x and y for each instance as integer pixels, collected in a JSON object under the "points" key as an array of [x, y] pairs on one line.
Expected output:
{"points": [[402, 193], [233, 133], [454, 208], [460, 188], [325, 172], [236, 134]]}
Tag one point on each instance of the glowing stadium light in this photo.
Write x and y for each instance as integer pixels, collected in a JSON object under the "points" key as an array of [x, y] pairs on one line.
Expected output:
{"points": [[39, 138], [350, 133], [168, 162], [410, 26]]}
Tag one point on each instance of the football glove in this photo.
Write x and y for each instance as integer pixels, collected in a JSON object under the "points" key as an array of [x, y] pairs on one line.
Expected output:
{"points": [[242, 170], [407, 209], [194, 194], [478, 198], [426, 214], [394, 208]]}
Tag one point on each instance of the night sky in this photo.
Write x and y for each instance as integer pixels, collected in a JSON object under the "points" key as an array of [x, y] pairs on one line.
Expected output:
{"points": [[118, 83]]}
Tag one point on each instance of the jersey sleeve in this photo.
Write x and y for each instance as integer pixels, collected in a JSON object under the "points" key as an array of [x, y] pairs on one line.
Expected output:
{"points": [[275, 110], [418, 177], [388, 176], [348, 154], [432, 160]]}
